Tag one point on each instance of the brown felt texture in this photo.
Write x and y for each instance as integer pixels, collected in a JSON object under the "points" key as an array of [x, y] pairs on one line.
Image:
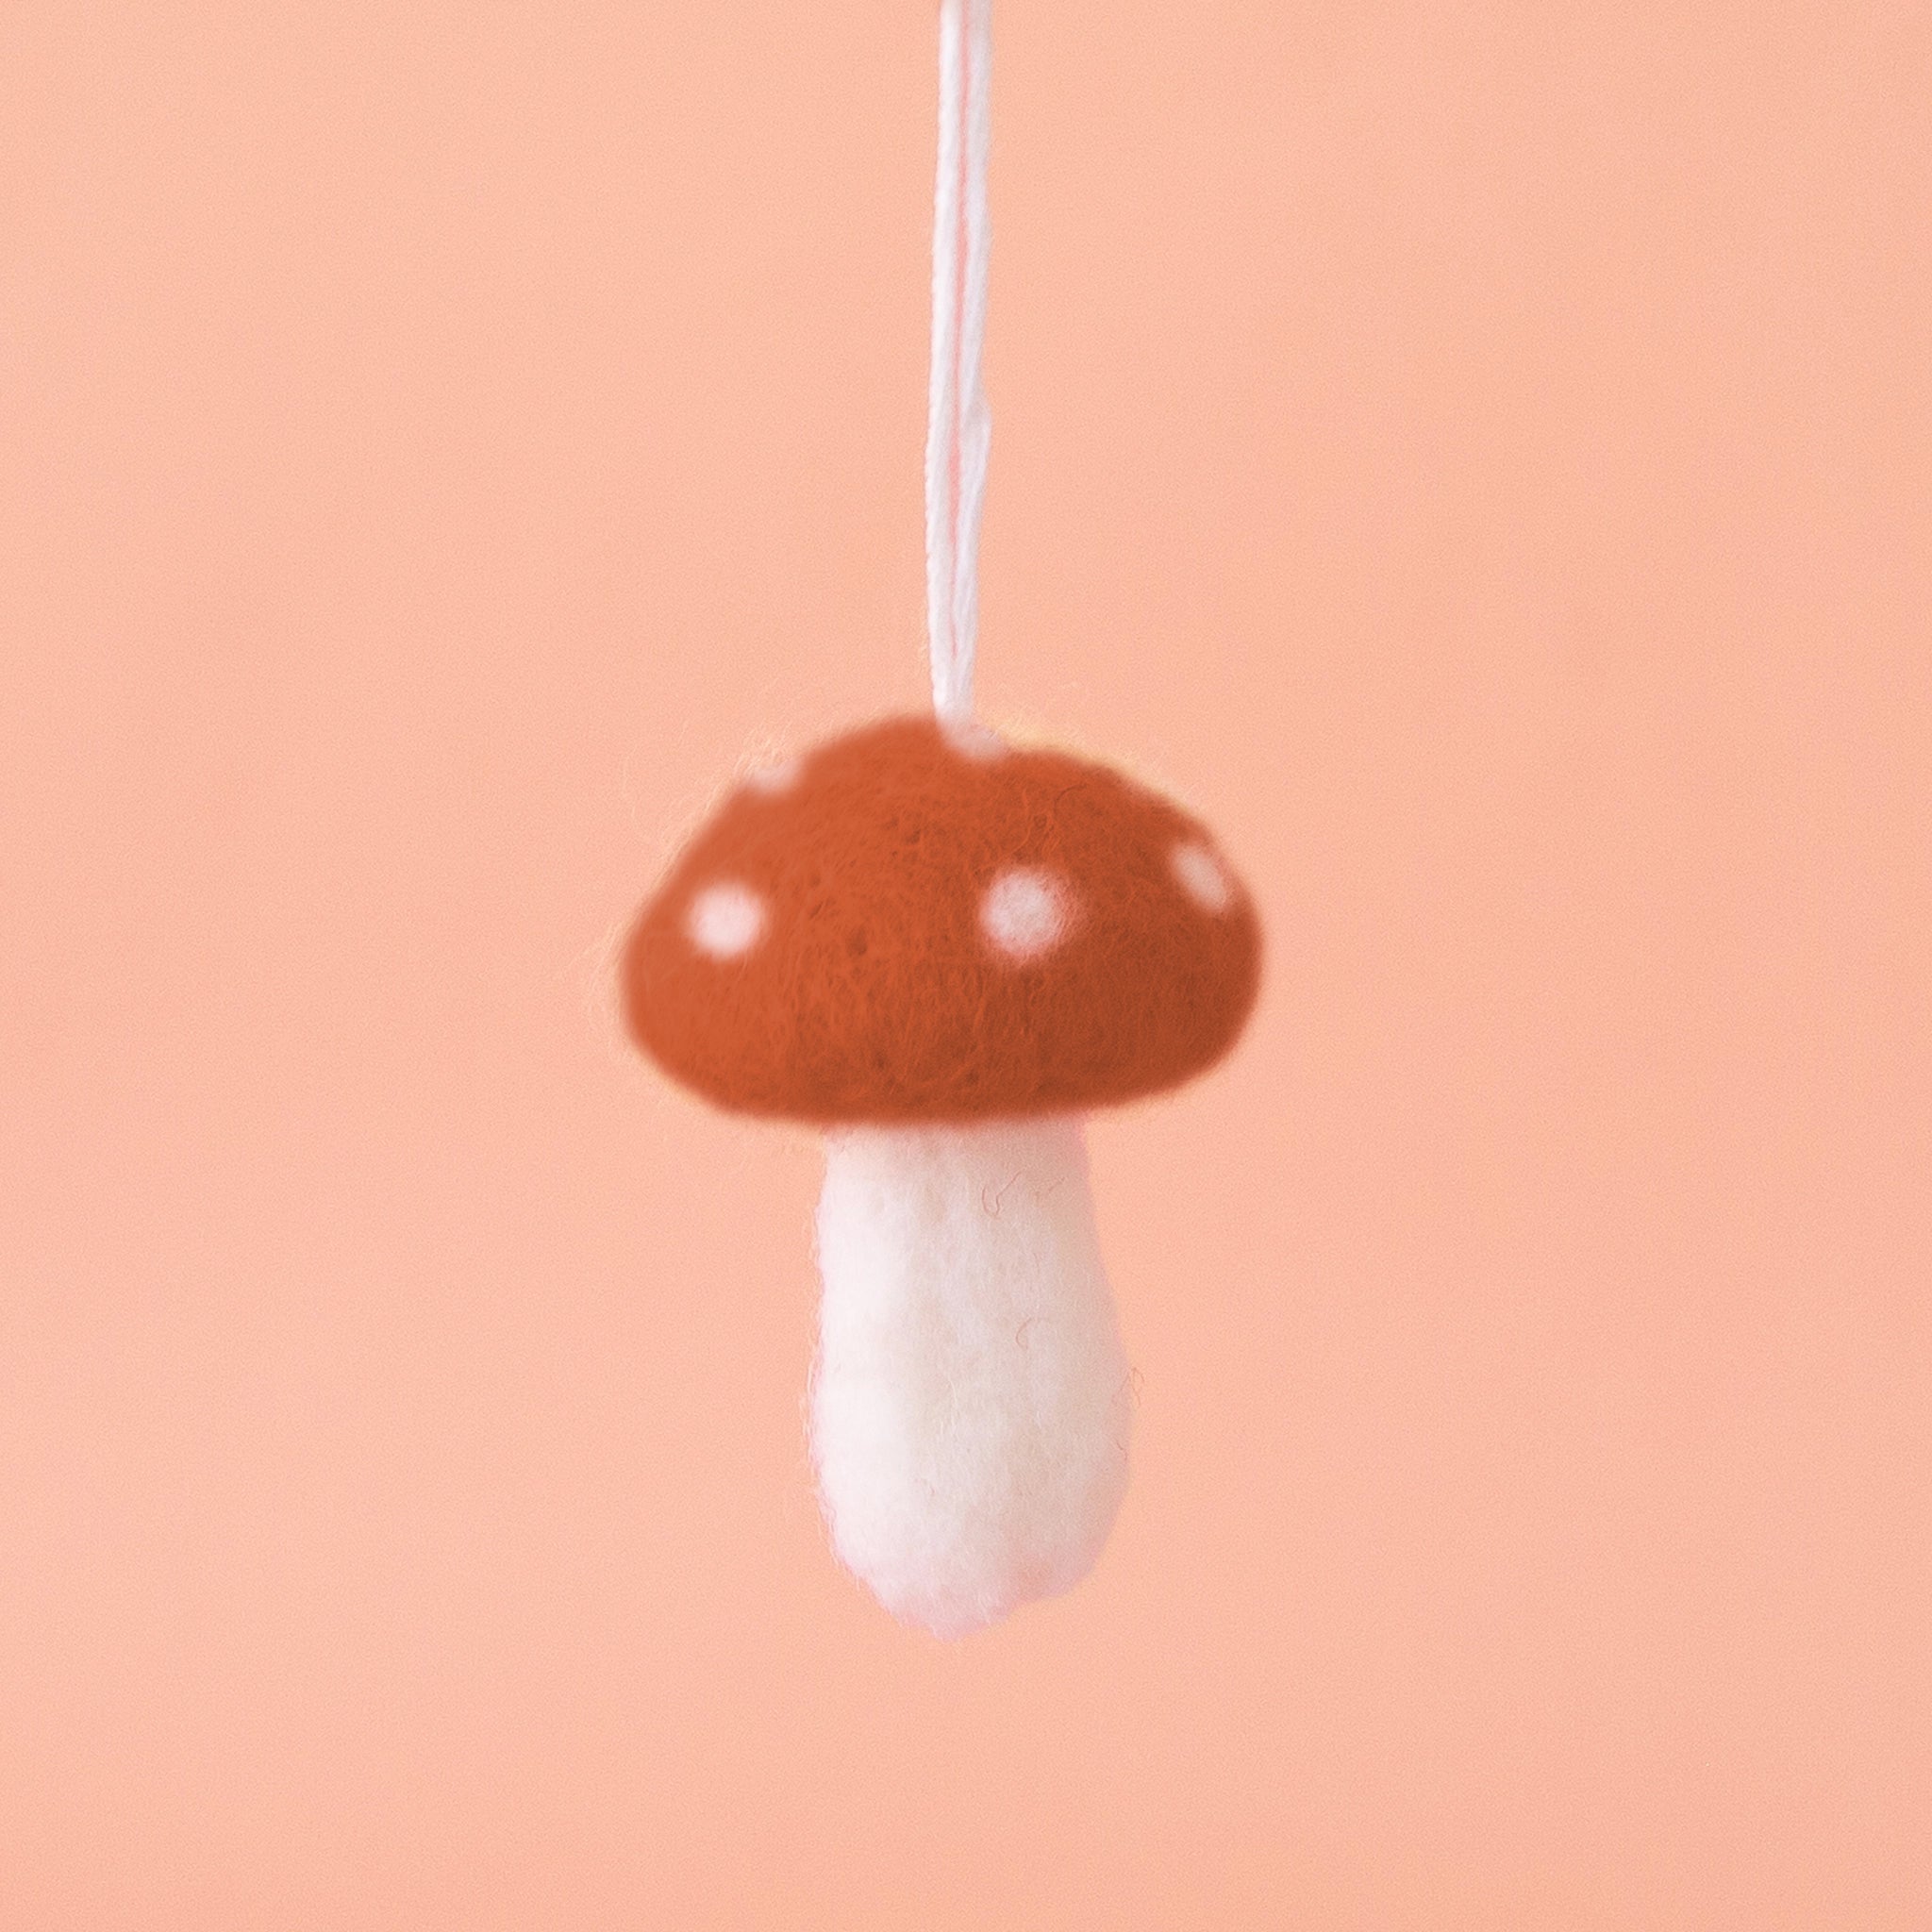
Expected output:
{"points": [[872, 992]]}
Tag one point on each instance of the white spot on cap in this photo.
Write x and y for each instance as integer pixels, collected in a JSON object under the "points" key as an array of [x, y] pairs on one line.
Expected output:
{"points": [[1026, 912], [1203, 876], [725, 921], [773, 777], [974, 741]]}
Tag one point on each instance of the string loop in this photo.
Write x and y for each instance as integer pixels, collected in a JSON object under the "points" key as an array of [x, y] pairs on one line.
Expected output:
{"points": [[958, 433]]}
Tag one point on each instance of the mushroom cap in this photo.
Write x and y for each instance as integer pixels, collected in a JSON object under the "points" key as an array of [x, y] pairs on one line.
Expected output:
{"points": [[918, 923]]}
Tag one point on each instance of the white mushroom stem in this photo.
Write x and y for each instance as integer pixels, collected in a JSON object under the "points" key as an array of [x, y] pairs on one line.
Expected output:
{"points": [[971, 1405]]}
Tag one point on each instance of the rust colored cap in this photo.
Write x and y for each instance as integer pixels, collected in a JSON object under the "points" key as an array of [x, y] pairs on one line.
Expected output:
{"points": [[919, 923]]}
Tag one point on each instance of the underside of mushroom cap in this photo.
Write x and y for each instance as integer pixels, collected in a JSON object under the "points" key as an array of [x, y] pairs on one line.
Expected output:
{"points": [[916, 923]]}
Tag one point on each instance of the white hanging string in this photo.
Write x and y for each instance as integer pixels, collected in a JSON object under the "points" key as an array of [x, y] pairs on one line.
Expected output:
{"points": [[958, 431]]}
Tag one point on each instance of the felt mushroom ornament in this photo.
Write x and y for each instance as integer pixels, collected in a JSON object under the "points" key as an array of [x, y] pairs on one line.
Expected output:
{"points": [[943, 949]]}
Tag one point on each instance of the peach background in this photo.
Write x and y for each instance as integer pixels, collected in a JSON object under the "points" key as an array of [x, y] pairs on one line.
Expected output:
{"points": [[1478, 455]]}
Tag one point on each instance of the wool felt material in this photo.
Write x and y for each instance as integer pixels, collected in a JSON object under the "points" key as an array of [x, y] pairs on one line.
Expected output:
{"points": [[941, 947], [917, 922], [970, 1407]]}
